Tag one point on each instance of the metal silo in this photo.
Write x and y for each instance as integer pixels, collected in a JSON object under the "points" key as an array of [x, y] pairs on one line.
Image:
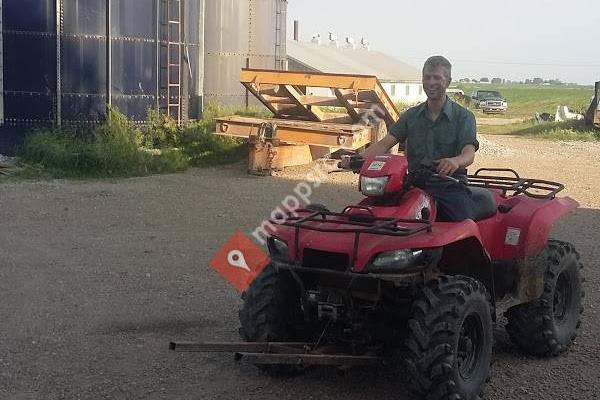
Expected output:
{"points": [[238, 34], [29, 65], [64, 60]]}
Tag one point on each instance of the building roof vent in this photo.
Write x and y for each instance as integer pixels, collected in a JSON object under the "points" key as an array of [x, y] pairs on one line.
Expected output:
{"points": [[364, 43], [316, 38], [350, 43], [333, 40]]}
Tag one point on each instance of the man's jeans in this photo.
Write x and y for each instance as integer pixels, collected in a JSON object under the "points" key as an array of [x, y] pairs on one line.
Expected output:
{"points": [[454, 201]]}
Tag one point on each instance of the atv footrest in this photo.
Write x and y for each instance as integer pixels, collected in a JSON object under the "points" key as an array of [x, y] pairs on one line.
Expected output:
{"points": [[291, 353]]}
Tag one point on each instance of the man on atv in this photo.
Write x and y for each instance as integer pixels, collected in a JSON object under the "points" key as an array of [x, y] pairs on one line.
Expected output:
{"points": [[439, 134]]}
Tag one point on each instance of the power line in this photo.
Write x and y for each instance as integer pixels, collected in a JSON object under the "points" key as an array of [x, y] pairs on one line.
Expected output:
{"points": [[517, 63]]}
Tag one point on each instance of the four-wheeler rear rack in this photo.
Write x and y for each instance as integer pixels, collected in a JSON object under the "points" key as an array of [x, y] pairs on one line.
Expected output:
{"points": [[515, 185]]}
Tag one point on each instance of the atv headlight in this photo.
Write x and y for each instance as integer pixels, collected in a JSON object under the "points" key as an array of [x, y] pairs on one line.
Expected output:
{"points": [[278, 249], [373, 186], [403, 260], [397, 259]]}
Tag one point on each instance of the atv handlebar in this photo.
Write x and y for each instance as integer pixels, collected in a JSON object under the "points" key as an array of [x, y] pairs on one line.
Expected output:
{"points": [[426, 172], [355, 163]]}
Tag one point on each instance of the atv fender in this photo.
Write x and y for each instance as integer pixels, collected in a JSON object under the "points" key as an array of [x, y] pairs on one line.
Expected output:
{"points": [[441, 235], [541, 223], [529, 280]]}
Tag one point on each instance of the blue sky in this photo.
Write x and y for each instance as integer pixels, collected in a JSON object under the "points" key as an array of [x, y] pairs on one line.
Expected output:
{"points": [[506, 38]]}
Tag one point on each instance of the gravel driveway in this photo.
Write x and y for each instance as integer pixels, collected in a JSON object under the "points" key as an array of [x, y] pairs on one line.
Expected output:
{"points": [[97, 277]]}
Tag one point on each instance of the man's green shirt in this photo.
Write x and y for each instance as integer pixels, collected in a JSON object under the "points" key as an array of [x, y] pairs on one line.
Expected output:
{"points": [[425, 140]]}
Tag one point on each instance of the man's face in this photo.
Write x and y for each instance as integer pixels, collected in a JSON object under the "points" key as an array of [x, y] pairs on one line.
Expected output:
{"points": [[435, 82]]}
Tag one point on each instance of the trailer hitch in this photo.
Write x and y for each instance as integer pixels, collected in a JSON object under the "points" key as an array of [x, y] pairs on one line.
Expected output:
{"points": [[290, 353]]}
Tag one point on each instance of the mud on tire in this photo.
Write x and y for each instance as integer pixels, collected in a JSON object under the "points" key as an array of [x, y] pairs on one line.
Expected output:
{"points": [[450, 338], [272, 313], [548, 326]]}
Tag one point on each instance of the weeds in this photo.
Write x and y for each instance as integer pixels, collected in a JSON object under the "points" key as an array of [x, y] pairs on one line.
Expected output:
{"points": [[118, 148], [204, 148], [161, 131], [566, 130]]}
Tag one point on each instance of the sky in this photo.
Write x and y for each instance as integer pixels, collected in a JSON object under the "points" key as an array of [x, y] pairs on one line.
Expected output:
{"points": [[508, 39]]}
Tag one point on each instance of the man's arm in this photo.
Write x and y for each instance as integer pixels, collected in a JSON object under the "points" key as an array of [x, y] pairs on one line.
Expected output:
{"points": [[447, 166], [381, 147], [467, 137], [376, 149]]}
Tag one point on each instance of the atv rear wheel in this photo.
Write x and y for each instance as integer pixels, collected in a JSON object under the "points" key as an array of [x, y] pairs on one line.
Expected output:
{"points": [[450, 338], [272, 313], [547, 326]]}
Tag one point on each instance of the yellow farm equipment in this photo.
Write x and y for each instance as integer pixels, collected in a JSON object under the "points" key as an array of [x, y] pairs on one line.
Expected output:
{"points": [[314, 114]]}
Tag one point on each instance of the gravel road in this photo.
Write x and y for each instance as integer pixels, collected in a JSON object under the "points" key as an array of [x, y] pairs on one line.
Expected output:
{"points": [[97, 277]]}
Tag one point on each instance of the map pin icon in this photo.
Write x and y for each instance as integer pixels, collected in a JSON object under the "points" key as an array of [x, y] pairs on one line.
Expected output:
{"points": [[235, 258]]}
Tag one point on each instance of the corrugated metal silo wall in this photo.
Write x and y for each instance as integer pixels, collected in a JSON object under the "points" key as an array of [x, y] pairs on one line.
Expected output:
{"points": [[29, 67], [33, 52], [240, 33]]}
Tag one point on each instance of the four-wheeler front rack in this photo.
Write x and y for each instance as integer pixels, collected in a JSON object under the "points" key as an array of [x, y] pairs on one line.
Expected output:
{"points": [[358, 223]]}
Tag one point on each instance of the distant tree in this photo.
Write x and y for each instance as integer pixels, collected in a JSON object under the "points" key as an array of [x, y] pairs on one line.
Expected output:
{"points": [[464, 80], [496, 80], [528, 81], [538, 81], [484, 80], [474, 80]]}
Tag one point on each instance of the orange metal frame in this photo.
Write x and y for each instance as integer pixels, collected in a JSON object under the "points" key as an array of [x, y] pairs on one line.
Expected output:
{"points": [[341, 120]]}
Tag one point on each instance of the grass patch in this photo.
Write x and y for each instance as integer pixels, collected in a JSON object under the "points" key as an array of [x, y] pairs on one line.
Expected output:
{"points": [[118, 148], [566, 130], [110, 150], [205, 149], [507, 129], [525, 100]]}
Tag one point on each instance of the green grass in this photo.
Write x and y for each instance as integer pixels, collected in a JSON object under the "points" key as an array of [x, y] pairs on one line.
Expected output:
{"points": [[110, 152], [525, 100], [566, 130], [508, 129], [205, 149], [117, 148]]}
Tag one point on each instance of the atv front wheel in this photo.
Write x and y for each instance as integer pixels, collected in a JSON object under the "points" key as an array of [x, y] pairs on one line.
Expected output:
{"points": [[272, 313], [450, 338], [547, 326]]}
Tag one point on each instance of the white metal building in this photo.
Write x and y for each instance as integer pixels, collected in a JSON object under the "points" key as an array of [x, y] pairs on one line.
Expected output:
{"points": [[401, 81]]}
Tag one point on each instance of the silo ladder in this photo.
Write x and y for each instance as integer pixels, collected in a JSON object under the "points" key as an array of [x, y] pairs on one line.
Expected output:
{"points": [[172, 13]]}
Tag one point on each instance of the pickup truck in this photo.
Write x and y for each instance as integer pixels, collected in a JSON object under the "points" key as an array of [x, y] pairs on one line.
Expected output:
{"points": [[489, 101]]}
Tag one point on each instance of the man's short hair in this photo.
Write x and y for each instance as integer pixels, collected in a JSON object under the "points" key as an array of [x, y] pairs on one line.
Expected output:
{"points": [[439, 61]]}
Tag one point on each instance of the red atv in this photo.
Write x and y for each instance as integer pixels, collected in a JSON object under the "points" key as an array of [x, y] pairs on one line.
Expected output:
{"points": [[384, 273]]}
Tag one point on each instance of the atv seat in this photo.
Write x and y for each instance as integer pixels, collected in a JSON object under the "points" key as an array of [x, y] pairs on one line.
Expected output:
{"points": [[485, 203]]}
